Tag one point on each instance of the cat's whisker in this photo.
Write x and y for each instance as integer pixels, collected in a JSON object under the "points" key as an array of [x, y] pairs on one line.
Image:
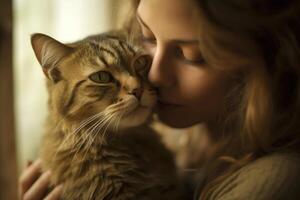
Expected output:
{"points": [[83, 124], [107, 121], [115, 129], [86, 132], [119, 112], [119, 116], [57, 126], [105, 118], [84, 141], [93, 135], [101, 124], [118, 123], [110, 121], [89, 134], [117, 106], [86, 122]]}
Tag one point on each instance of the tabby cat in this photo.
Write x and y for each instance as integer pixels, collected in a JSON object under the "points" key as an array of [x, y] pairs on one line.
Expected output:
{"points": [[97, 142]]}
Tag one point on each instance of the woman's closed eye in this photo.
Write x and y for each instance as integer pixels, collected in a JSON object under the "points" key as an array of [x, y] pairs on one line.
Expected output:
{"points": [[188, 52], [188, 56]]}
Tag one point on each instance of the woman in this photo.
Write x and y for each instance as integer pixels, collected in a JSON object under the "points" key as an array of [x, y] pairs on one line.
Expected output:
{"points": [[234, 66]]}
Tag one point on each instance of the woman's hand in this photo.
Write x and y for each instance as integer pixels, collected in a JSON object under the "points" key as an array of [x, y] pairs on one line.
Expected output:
{"points": [[33, 185]]}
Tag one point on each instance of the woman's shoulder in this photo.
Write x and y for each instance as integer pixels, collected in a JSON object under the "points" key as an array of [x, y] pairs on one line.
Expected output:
{"points": [[277, 162], [275, 176]]}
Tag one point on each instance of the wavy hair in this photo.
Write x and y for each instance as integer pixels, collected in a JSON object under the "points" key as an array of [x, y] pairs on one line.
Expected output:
{"points": [[264, 114]]}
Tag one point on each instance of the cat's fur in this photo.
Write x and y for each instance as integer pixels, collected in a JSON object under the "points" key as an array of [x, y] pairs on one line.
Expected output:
{"points": [[96, 142]]}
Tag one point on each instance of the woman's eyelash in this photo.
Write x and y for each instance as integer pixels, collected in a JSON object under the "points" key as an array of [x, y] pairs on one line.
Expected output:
{"points": [[197, 62], [181, 55]]}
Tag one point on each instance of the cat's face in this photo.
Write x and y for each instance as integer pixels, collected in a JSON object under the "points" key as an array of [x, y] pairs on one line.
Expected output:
{"points": [[96, 80]]}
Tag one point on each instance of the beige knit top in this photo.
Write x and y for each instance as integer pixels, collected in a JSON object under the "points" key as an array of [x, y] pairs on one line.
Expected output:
{"points": [[272, 177]]}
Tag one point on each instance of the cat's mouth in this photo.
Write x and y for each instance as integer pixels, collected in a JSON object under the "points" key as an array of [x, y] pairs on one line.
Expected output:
{"points": [[133, 106], [134, 113]]}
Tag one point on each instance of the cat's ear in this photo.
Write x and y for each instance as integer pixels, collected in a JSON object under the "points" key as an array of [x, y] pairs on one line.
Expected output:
{"points": [[49, 52]]}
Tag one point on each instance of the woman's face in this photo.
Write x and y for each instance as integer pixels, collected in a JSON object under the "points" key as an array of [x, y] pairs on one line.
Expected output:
{"points": [[189, 90]]}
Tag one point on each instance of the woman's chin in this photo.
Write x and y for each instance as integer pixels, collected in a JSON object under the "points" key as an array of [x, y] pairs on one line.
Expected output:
{"points": [[176, 124], [176, 120]]}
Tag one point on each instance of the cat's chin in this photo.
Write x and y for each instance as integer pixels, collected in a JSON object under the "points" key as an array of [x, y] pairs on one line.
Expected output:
{"points": [[135, 118]]}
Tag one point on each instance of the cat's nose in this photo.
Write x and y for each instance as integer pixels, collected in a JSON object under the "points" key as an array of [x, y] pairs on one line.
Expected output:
{"points": [[137, 92]]}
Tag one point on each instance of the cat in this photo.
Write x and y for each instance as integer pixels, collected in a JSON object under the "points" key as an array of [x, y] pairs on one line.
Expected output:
{"points": [[97, 141]]}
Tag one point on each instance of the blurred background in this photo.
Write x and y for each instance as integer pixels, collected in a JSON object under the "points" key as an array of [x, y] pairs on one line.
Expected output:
{"points": [[23, 99]]}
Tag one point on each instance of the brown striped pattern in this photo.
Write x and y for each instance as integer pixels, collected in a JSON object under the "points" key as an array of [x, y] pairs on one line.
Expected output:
{"points": [[114, 53]]}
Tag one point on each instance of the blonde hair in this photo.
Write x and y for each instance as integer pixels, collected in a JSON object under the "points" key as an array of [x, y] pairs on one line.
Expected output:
{"points": [[262, 114], [265, 115]]}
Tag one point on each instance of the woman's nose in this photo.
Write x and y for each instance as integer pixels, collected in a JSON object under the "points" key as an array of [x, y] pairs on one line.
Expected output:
{"points": [[160, 73]]}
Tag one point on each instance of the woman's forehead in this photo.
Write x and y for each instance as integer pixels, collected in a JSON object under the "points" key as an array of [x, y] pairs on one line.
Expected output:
{"points": [[170, 18]]}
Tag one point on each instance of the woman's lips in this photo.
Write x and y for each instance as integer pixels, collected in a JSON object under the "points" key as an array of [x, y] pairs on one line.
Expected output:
{"points": [[167, 105]]}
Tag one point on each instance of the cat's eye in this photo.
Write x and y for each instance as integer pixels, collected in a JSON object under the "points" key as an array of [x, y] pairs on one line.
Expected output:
{"points": [[101, 77], [142, 64]]}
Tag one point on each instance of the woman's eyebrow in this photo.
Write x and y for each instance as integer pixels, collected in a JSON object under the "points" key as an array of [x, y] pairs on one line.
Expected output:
{"points": [[142, 21]]}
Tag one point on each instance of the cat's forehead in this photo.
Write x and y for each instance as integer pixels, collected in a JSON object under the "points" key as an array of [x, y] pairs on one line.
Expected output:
{"points": [[108, 53], [92, 56]]}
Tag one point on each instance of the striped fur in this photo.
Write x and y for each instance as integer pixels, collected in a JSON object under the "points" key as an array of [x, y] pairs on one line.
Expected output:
{"points": [[96, 140]]}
